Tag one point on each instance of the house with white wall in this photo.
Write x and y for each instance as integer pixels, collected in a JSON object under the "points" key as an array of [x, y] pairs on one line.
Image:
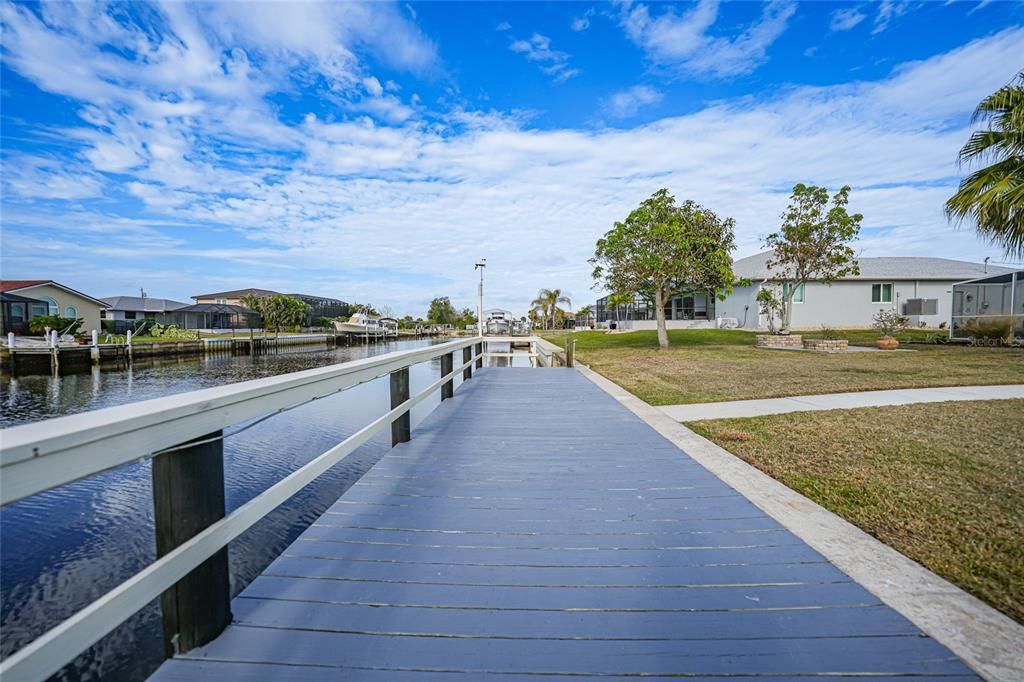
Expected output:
{"points": [[920, 288]]}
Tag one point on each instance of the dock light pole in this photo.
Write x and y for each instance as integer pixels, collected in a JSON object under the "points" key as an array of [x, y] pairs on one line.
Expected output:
{"points": [[480, 265]]}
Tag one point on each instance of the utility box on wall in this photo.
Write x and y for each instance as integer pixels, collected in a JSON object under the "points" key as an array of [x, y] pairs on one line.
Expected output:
{"points": [[922, 306]]}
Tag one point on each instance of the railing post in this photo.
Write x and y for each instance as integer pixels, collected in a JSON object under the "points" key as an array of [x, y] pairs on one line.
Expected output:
{"points": [[448, 387], [467, 355], [188, 496], [480, 355], [570, 352], [400, 428]]}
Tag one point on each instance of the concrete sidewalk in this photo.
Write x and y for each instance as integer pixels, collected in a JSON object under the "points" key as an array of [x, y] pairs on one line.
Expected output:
{"points": [[838, 401]]}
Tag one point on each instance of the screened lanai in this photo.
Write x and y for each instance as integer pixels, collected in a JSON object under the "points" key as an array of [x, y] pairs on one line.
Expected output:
{"points": [[988, 303]]}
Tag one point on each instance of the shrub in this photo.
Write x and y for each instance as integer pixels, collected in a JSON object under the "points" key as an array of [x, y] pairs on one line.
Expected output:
{"points": [[160, 331], [830, 334], [64, 325], [994, 328], [109, 326], [889, 322], [771, 307]]}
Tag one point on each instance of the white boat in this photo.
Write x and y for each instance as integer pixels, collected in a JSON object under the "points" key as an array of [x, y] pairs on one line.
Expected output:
{"points": [[359, 324], [498, 322]]}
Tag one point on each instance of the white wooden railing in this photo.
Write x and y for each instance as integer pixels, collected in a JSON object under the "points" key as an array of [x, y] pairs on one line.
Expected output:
{"points": [[45, 455]]}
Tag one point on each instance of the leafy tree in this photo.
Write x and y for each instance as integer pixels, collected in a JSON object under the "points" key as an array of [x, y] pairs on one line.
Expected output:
{"points": [[407, 322], [278, 311], [441, 311], [546, 304], [813, 242], [365, 309], [662, 249], [465, 317], [993, 196]]}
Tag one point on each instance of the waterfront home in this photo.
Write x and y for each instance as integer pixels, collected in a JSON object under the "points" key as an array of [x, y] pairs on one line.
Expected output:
{"points": [[47, 297], [920, 288], [318, 306], [127, 312], [213, 316]]}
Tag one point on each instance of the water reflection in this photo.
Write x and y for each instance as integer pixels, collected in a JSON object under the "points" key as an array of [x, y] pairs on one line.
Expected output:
{"points": [[64, 548]]}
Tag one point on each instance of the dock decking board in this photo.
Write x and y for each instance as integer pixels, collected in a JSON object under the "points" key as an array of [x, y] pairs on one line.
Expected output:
{"points": [[535, 529]]}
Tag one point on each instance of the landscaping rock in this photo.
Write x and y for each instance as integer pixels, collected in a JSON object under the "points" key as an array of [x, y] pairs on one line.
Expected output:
{"points": [[779, 341]]}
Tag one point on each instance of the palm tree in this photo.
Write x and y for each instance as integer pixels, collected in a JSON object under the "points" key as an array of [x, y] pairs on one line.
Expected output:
{"points": [[547, 301], [587, 312], [618, 301], [993, 196]]}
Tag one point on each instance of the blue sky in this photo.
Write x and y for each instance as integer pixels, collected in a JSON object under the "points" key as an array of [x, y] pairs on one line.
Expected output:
{"points": [[374, 151]]}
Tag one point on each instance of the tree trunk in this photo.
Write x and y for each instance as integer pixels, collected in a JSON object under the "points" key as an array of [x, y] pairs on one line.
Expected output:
{"points": [[659, 302], [787, 307]]}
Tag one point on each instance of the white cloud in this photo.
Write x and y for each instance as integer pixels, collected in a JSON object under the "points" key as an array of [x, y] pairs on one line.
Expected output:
{"points": [[626, 103], [845, 19], [683, 40], [887, 11], [402, 211], [503, 26], [582, 22], [551, 62]]}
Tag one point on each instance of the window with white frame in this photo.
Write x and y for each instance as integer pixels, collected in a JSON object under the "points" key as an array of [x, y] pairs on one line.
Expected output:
{"points": [[798, 293], [881, 292]]}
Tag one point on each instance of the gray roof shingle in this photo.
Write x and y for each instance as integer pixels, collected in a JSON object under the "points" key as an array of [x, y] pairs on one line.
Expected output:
{"points": [[885, 267], [148, 304]]}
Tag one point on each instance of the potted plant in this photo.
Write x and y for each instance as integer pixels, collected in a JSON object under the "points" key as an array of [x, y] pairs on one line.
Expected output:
{"points": [[889, 323]]}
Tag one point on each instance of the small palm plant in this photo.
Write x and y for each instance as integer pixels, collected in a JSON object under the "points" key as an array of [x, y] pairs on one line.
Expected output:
{"points": [[993, 196]]}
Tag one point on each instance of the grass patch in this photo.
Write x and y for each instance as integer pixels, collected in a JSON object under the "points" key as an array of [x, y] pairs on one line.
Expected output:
{"points": [[943, 483], [708, 365]]}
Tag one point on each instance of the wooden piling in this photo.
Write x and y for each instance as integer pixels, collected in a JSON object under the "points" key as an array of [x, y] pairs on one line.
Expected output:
{"points": [[188, 496], [400, 428], [448, 387]]}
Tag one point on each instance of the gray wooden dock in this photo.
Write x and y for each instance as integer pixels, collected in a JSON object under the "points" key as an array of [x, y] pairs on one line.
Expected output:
{"points": [[535, 529]]}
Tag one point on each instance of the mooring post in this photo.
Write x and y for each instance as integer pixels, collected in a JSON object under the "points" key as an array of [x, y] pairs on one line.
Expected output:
{"points": [[467, 357], [480, 355], [10, 339], [448, 387], [570, 351], [400, 428], [188, 496]]}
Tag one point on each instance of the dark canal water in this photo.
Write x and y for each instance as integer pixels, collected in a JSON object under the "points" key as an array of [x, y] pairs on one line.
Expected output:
{"points": [[64, 548]]}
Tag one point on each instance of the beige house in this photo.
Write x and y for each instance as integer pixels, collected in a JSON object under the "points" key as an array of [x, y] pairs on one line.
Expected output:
{"points": [[52, 298]]}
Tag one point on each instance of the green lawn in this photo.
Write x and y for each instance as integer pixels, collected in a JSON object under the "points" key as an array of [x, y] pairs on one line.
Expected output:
{"points": [[943, 483], [711, 365]]}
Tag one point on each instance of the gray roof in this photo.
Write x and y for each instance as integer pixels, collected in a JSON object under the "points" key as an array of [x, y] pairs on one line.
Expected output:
{"points": [[148, 304], [885, 267], [238, 293]]}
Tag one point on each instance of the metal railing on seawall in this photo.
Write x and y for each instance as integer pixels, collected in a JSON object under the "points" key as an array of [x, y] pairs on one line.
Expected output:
{"points": [[183, 434]]}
